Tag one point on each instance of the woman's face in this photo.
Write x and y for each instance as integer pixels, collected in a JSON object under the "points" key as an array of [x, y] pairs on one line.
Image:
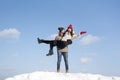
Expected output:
{"points": [[69, 30]]}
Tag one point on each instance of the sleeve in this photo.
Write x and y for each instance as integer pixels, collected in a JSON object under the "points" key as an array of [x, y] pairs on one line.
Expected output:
{"points": [[65, 37], [75, 36], [57, 38]]}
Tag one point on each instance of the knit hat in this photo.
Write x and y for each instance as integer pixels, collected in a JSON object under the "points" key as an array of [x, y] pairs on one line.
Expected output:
{"points": [[70, 27], [60, 28]]}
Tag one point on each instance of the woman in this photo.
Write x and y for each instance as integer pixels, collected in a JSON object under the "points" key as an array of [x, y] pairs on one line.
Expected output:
{"points": [[53, 43], [66, 40]]}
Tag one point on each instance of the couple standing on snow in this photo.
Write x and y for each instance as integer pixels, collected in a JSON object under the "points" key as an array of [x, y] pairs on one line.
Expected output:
{"points": [[62, 40]]}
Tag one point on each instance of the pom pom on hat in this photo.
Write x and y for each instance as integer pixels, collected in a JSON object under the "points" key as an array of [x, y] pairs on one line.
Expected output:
{"points": [[70, 27]]}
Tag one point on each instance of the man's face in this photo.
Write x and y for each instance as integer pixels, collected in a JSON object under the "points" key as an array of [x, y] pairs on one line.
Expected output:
{"points": [[62, 31]]}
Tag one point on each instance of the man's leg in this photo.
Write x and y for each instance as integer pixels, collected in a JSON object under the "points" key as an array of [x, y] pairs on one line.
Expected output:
{"points": [[65, 56], [59, 56]]}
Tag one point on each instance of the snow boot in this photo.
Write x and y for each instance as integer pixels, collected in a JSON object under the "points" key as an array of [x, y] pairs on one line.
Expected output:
{"points": [[39, 40], [58, 70], [67, 71], [50, 53]]}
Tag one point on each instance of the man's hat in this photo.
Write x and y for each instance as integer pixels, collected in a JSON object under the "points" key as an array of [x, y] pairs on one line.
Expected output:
{"points": [[60, 28]]}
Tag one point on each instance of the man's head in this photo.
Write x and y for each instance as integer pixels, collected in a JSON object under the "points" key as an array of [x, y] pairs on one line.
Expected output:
{"points": [[61, 31]]}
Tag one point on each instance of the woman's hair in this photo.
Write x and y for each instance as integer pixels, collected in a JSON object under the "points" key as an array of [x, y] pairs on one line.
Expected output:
{"points": [[71, 33], [61, 28], [70, 27]]}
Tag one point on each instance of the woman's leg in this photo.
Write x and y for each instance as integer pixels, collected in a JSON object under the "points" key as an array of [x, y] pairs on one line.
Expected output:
{"points": [[54, 43], [51, 42], [69, 41], [59, 43], [50, 50], [45, 41], [63, 44]]}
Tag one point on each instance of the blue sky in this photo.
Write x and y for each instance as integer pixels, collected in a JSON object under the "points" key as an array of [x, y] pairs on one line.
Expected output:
{"points": [[21, 22]]}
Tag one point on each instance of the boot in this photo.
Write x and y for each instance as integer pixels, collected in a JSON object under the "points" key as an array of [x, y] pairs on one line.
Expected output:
{"points": [[58, 70], [67, 71], [50, 53], [39, 40]]}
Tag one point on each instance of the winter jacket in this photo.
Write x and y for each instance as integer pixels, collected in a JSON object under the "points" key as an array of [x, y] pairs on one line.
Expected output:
{"points": [[58, 49], [68, 36]]}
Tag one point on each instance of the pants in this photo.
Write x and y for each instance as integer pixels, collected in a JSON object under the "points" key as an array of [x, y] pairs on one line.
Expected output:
{"points": [[59, 43], [65, 56]]}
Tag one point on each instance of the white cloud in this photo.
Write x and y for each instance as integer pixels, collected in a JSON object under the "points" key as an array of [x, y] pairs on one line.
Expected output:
{"points": [[85, 60], [92, 54], [89, 39], [9, 69], [8, 34]]}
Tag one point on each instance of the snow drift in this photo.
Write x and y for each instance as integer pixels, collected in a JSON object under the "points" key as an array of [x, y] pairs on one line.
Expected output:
{"points": [[61, 76]]}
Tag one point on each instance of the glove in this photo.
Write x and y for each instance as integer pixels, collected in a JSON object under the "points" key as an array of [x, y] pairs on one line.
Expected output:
{"points": [[83, 32]]}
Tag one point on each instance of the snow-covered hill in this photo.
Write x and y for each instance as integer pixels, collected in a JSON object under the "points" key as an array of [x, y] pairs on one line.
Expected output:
{"points": [[61, 76]]}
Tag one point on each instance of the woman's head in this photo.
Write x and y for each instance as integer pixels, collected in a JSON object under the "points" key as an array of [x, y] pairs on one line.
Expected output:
{"points": [[70, 29]]}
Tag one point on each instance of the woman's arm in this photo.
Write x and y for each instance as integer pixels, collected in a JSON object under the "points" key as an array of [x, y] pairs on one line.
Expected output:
{"points": [[79, 35], [76, 36]]}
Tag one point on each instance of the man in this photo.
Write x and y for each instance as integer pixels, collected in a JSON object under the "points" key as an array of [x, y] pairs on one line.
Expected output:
{"points": [[62, 52], [62, 40], [65, 35]]}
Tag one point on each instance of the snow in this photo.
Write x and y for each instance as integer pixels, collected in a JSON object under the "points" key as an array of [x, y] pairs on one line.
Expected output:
{"points": [[41, 75]]}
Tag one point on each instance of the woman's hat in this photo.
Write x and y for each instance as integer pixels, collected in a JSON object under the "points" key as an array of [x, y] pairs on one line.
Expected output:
{"points": [[70, 27]]}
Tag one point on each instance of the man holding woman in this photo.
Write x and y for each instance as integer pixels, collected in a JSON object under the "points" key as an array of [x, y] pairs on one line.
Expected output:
{"points": [[62, 40]]}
